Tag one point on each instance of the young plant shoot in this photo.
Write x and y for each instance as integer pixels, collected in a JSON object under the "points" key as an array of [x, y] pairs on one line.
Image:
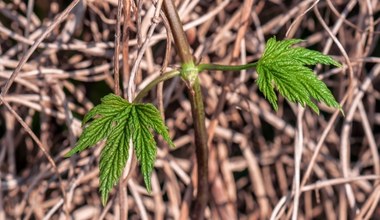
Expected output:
{"points": [[282, 67]]}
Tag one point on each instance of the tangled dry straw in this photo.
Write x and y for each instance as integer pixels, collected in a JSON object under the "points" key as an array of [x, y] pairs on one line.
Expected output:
{"points": [[56, 62]]}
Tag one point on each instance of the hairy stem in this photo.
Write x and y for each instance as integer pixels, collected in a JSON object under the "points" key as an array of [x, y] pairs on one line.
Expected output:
{"points": [[179, 35], [201, 150], [189, 74]]}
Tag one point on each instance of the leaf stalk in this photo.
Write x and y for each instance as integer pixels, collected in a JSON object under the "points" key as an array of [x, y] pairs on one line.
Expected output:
{"points": [[209, 66], [161, 78]]}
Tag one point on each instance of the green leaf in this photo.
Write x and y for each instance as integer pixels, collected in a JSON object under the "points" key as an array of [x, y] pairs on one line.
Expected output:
{"points": [[144, 118], [103, 115], [283, 67], [118, 121], [115, 153], [110, 105]]}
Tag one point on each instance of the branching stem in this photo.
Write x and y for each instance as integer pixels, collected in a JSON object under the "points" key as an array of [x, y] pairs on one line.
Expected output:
{"points": [[189, 73]]}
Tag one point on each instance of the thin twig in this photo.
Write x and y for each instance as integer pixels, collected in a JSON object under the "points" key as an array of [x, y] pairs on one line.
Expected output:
{"points": [[297, 161], [40, 146], [61, 17], [117, 49], [155, 21]]}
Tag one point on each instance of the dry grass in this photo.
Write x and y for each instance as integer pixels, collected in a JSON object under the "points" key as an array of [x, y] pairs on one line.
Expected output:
{"points": [[56, 63]]}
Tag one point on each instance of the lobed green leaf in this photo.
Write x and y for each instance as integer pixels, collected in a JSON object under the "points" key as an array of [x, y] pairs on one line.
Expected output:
{"points": [[283, 67], [119, 121]]}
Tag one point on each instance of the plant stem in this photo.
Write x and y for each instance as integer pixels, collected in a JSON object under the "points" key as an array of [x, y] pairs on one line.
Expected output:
{"points": [[161, 78], [179, 35], [189, 73], [208, 66], [201, 150]]}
